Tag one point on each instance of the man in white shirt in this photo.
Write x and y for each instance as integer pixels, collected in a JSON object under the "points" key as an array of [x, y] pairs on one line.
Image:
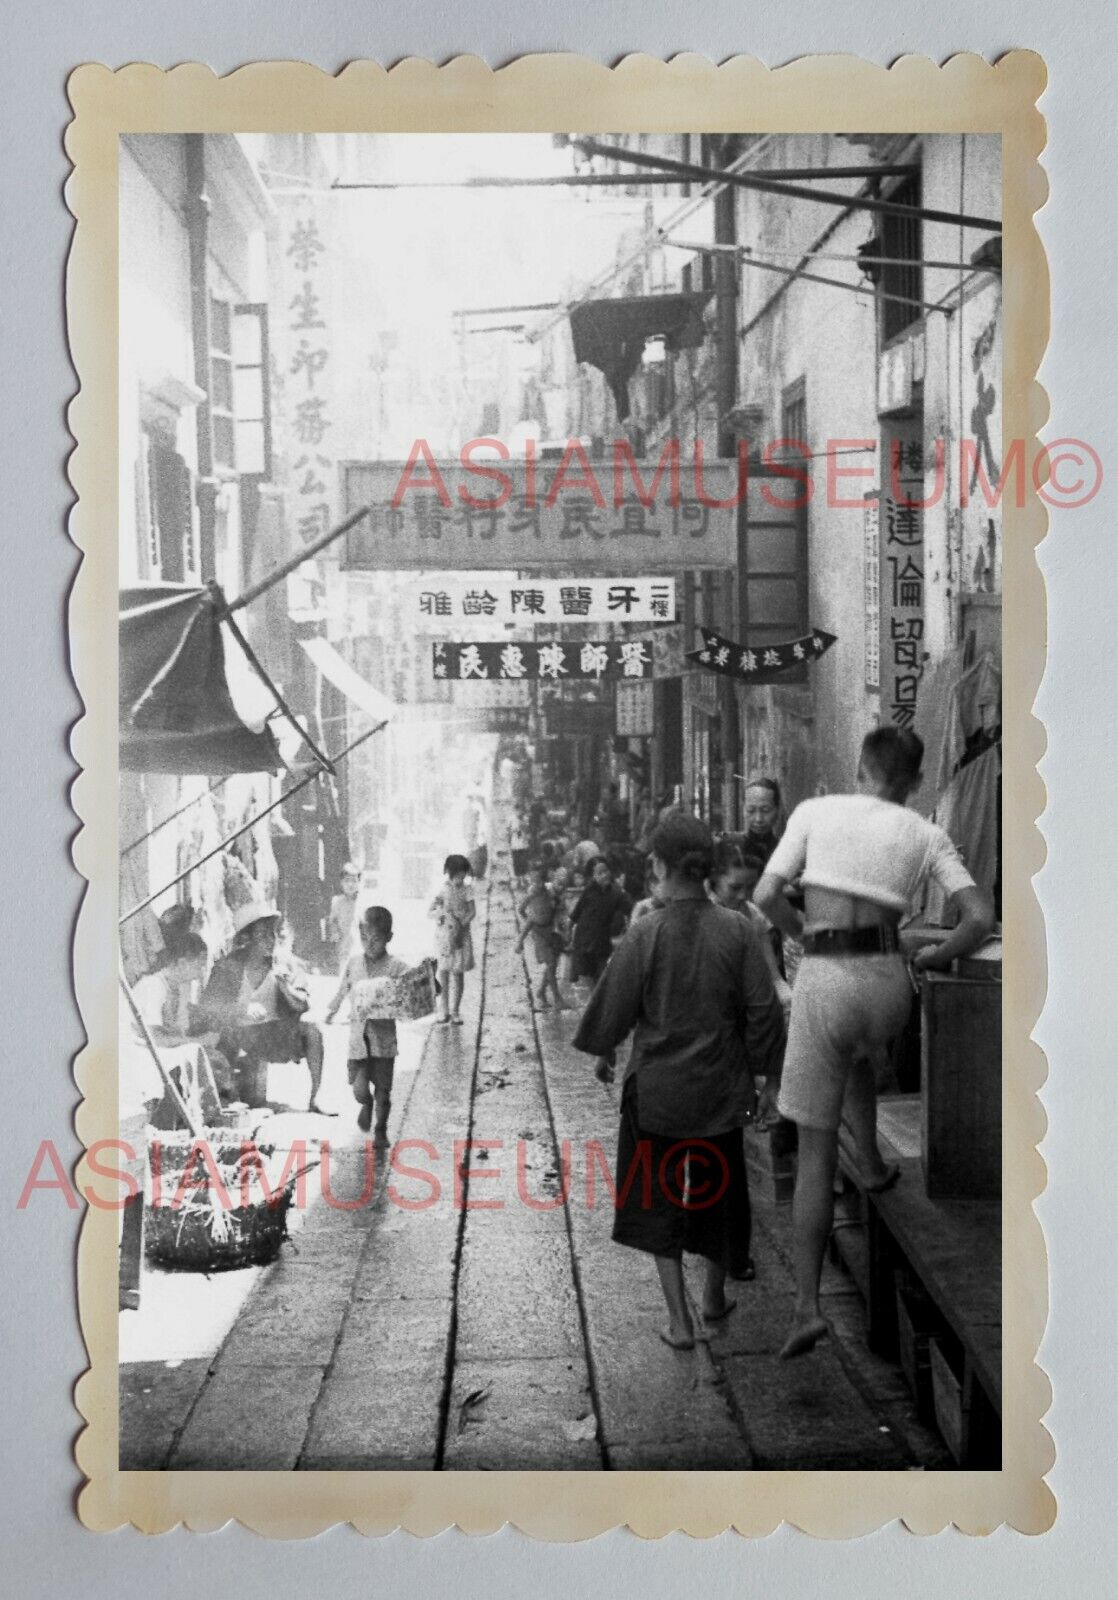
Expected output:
{"points": [[861, 860]]}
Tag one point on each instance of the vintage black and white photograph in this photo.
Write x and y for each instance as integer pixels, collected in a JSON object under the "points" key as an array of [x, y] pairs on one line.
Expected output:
{"points": [[560, 801]]}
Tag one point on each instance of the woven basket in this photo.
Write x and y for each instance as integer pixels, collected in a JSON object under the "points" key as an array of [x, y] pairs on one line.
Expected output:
{"points": [[197, 1237]]}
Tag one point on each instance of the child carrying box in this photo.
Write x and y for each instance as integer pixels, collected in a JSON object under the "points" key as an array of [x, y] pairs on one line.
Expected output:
{"points": [[372, 1038]]}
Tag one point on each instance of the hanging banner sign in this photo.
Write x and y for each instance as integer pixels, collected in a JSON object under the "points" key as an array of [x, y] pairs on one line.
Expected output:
{"points": [[532, 515], [544, 600], [734, 660], [597, 658], [636, 710]]}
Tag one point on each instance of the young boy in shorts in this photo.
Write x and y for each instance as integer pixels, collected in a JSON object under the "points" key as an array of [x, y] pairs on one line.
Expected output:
{"points": [[372, 1040]]}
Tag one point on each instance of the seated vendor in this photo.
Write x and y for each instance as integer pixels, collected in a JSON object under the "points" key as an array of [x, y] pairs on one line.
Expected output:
{"points": [[165, 999], [256, 1000]]}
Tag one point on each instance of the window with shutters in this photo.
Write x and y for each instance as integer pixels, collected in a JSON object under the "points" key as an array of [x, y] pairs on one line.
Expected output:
{"points": [[901, 280], [252, 416], [773, 551], [222, 428]]}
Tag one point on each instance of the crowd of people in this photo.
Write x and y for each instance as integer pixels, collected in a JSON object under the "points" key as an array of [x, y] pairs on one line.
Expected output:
{"points": [[762, 978]]}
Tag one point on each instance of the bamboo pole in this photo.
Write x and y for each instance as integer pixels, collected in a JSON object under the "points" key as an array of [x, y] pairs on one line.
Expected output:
{"points": [[293, 564], [311, 777], [254, 662], [741, 180]]}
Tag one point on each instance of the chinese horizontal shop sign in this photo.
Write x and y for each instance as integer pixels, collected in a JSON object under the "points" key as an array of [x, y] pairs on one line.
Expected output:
{"points": [[734, 660], [545, 600], [594, 659], [567, 514]]}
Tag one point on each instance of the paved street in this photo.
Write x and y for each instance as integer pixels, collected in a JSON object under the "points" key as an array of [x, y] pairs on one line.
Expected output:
{"points": [[491, 1326]]}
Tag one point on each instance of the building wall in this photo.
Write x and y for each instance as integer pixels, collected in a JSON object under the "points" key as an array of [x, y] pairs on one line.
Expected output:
{"points": [[156, 361], [830, 338], [154, 325]]}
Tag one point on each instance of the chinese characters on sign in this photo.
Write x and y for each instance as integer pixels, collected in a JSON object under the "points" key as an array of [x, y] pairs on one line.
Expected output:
{"points": [[635, 709], [304, 362], [871, 578], [442, 516], [733, 660], [901, 575], [545, 600], [554, 662]]}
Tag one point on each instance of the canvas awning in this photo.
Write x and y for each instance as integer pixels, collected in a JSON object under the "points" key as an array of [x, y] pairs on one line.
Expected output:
{"points": [[351, 683], [611, 334], [178, 710]]}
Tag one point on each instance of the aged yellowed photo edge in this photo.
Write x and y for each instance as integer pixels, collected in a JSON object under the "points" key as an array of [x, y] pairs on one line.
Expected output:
{"points": [[548, 93]]}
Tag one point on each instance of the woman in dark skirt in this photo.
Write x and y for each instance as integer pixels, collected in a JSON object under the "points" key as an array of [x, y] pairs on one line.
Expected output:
{"points": [[692, 985]]}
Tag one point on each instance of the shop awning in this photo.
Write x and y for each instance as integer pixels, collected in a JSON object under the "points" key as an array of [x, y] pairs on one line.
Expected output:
{"points": [[351, 683], [611, 334], [177, 710]]}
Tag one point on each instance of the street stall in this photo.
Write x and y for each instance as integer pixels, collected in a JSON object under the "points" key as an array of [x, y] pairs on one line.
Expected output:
{"points": [[195, 699]]}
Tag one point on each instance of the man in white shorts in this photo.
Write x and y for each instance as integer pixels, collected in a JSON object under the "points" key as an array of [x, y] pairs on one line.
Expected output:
{"points": [[862, 859]]}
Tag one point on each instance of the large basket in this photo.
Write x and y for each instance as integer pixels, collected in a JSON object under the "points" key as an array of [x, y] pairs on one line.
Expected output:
{"points": [[201, 1234]]}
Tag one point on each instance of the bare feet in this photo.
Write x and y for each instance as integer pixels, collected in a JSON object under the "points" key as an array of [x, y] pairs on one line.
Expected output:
{"points": [[716, 1311], [883, 1178], [678, 1338], [805, 1335]]}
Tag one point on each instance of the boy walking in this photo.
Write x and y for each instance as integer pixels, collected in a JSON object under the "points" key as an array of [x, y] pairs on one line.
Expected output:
{"points": [[372, 1039]]}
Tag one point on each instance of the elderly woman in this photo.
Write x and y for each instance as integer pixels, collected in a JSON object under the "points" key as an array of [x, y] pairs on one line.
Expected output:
{"points": [[763, 816], [692, 986], [256, 1000]]}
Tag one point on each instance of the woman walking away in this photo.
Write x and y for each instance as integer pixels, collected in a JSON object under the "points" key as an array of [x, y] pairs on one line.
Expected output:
{"points": [[598, 918], [691, 984], [861, 858], [373, 1045], [453, 909]]}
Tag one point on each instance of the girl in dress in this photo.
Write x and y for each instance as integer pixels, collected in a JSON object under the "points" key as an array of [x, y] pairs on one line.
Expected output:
{"points": [[453, 909]]}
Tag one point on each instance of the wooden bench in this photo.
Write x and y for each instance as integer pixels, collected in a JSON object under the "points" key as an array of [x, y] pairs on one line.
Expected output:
{"points": [[952, 1249]]}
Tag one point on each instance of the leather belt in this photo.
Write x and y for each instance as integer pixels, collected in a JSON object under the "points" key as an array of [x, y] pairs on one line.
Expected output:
{"points": [[852, 942]]}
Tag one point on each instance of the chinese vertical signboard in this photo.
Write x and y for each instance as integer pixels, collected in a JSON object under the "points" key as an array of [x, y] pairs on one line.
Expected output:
{"points": [[901, 575], [636, 706], [305, 360], [871, 583]]}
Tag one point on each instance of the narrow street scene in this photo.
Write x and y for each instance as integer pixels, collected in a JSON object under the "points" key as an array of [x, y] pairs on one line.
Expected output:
{"points": [[501, 1330], [560, 803]]}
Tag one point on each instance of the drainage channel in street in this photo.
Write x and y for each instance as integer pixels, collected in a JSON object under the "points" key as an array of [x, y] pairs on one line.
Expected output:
{"points": [[518, 1392]]}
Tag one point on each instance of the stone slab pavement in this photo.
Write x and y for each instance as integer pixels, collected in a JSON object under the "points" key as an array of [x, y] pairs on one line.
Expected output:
{"points": [[462, 1308]]}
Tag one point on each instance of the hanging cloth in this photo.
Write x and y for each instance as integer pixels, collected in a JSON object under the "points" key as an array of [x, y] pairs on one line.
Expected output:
{"points": [[176, 709], [611, 334]]}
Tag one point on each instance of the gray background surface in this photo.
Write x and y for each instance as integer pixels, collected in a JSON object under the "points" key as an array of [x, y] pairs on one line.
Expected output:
{"points": [[45, 1551]]}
